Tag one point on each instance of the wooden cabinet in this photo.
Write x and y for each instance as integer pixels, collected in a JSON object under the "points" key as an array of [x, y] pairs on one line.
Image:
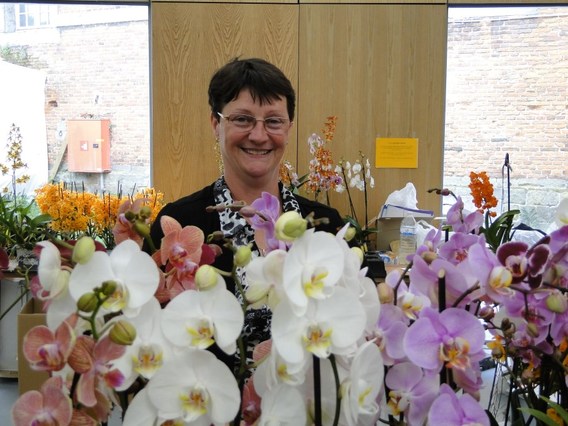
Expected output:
{"points": [[379, 67]]}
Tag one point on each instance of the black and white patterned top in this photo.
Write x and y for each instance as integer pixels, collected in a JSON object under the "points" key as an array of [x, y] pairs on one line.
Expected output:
{"points": [[235, 227]]}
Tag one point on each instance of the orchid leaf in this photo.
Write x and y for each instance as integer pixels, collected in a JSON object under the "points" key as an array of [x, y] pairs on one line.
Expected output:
{"points": [[539, 415]]}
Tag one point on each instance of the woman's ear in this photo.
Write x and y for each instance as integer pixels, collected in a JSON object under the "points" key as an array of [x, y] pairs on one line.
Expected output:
{"points": [[215, 125]]}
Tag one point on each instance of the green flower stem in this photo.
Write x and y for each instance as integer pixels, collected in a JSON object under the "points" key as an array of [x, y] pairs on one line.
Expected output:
{"points": [[150, 243]]}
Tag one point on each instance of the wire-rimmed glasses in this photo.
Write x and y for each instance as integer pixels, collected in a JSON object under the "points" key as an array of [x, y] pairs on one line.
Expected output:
{"points": [[245, 123]]}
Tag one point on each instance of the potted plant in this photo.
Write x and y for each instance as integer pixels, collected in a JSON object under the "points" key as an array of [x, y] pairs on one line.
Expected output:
{"points": [[21, 222]]}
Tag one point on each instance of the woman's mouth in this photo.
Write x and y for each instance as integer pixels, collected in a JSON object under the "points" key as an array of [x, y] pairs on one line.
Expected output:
{"points": [[256, 151]]}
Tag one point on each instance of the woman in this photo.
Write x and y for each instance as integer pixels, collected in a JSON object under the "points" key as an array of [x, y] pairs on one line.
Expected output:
{"points": [[252, 111]]}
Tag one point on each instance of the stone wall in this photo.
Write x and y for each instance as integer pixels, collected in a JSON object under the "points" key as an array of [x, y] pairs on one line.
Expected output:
{"points": [[507, 92]]}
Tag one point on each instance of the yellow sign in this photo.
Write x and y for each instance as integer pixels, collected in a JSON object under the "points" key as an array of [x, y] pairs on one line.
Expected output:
{"points": [[396, 153]]}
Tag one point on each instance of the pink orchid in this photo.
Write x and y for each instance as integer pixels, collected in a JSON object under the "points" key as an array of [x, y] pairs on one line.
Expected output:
{"points": [[49, 351], [93, 361], [49, 406], [250, 404], [124, 228], [179, 244]]}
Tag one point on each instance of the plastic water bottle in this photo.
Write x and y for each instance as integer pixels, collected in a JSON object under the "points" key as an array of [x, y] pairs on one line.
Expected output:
{"points": [[407, 239]]}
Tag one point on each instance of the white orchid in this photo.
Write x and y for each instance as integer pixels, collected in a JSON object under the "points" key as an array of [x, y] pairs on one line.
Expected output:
{"points": [[561, 216], [150, 349], [283, 405], [132, 270], [312, 269], [264, 279], [197, 319], [329, 325], [274, 370], [54, 281], [363, 384], [193, 389]]}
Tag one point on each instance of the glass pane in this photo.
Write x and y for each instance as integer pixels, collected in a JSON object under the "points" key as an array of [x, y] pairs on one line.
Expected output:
{"points": [[507, 93], [90, 67]]}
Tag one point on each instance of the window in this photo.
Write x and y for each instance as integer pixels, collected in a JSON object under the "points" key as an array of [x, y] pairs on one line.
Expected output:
{"points": [[506, 94], [32, 15], [92, 63]]}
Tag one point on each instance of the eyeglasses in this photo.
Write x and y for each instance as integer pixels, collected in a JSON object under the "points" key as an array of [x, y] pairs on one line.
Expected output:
{"points": [[245, 123]]}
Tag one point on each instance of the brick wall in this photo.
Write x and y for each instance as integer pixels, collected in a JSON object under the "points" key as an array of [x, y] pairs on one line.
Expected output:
{"points": [[507, 92], [97, 64]]}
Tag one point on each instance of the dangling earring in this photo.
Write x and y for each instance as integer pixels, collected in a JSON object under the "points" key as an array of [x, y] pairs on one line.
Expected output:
{"points": [[218, 156]]}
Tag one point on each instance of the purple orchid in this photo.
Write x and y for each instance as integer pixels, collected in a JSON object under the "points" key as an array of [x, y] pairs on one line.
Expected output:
{"points": [[453, 338], [411, 391], [462, 221], [269, 207], [424, 280], [450, 410], [389, 333], [430, 245], [494, 279], [456, 249]]}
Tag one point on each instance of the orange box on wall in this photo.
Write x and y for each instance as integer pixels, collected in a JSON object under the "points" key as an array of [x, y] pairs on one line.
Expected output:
{"points": [[88, 146]]}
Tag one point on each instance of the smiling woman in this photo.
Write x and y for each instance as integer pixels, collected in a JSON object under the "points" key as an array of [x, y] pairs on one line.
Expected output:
{"points": [[252, 110]]}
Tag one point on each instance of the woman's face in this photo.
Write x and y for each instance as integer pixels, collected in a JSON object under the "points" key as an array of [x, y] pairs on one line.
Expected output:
{"points": [[256, 153]]}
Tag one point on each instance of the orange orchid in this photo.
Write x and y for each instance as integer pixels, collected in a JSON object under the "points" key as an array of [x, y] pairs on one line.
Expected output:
{"points": [[482, 192]]}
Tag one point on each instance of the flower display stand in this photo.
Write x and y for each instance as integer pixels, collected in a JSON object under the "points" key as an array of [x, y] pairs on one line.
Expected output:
{"points": [[10, 289]]}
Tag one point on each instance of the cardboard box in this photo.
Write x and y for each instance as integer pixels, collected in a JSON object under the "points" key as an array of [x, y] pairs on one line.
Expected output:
{"points": [[30, 316]]}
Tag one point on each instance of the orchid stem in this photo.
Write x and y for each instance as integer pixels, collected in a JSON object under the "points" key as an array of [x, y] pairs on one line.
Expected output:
{"points": [[317, 391], [337, 393]]}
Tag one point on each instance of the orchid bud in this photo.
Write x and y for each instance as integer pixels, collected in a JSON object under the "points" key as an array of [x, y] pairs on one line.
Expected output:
{"points": [[109, 287], [350, 234], [142, 229], [386, 293], [243, 256], [83, 250], [216, 236], [508, 327], [498, 352], [359, 252], [290, 225], [206, 277], [429, 256], [486, 313], [247, 211], [532, 329], [557, 303], [88, 302], [145, 212], [122, 333]]}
